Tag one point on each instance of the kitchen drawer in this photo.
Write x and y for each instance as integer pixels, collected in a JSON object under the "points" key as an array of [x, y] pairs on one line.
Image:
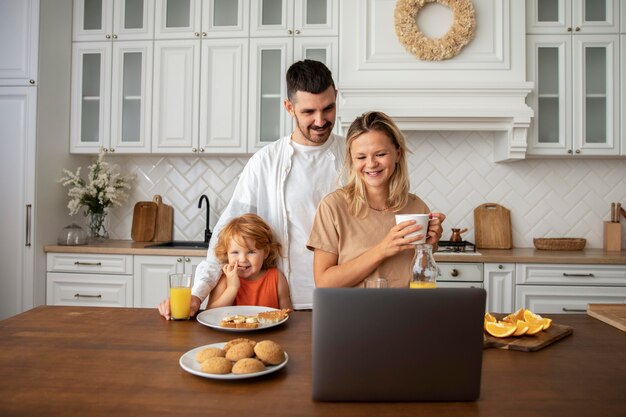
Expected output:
{"points": [[90, 263], [460, 284], [560, 299], [460, 272], [567, 274], [89, 290]]}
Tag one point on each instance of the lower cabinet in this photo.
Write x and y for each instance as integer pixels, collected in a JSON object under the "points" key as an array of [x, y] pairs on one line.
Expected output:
{"points": [[499, 281], [150, 273], [89, 280]]}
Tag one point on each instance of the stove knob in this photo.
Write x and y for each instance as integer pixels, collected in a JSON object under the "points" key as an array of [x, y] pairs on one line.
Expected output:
{"points": [[454, 273]]}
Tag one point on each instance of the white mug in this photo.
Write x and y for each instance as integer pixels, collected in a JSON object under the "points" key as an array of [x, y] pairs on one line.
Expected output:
{"points": [[419, 219]]}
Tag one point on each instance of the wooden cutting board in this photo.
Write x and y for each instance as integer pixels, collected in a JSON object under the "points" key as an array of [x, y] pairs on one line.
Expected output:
{"points": [[529, 343], [144, 221], [613, 314], [492, 227], [164, 225]]}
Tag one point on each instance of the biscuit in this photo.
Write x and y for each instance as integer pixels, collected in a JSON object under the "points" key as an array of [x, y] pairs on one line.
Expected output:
{"points": [[233, 342], [240, 351], [248, 366], [274, 316], [210, 352], [216, 365], [269, 352]]}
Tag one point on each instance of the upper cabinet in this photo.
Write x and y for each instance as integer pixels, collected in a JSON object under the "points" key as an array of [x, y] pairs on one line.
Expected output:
{"points": [[575, 16], [113, 20], [189, 19], [294, 18], [576, 75], [19, 29]]}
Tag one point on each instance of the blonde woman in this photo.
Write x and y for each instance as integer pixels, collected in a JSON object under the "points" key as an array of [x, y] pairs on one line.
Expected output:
{"points": [[354, 235]]}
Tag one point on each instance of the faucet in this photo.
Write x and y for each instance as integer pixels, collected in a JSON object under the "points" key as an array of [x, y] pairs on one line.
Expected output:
{"points": [[207, 231]]}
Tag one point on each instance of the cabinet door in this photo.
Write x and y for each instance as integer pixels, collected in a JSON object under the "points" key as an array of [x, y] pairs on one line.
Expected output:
{"points": [[178, 19], [223, 100], [268, 120], [324, 49], [316, 18], [93, 20], [499, 280], [271, 18], [92, 290], [176, 94], [549, 66], [91, 94], [133, 19], [131, 97], [545, 299], [19, 28], [623, 88], [150, 278], [226, 18], [595, 16], [596, 105], [572, 16]]}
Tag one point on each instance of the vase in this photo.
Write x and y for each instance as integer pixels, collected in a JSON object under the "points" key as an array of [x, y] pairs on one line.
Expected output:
{"points": [[97, 223]]}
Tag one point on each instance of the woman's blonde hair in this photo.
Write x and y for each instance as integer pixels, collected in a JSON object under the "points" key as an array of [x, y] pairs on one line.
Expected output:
{"points": [[354, 190], [249, 226]]}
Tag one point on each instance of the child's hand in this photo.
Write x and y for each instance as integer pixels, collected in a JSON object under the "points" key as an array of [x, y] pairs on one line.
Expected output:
{"points": [[232, 278]]}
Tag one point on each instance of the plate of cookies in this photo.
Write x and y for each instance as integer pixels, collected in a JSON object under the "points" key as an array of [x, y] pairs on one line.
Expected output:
{"points": [[236, 359], [243, 318]]}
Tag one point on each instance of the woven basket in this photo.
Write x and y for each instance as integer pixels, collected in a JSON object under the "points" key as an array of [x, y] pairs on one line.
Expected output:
{"points": [[559, 243]]}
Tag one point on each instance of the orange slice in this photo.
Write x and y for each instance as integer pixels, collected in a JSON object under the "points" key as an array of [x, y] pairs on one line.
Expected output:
{"points": [[490, 318], [514, 317], [534, 328], [522, 328], [500, 329], [546, 323]]}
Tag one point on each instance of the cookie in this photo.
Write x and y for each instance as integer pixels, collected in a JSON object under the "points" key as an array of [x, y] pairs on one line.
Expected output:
{"points": [[216, 365], [269, 352], [240, 351], [238, 340], [248, 366], [210, 352]]}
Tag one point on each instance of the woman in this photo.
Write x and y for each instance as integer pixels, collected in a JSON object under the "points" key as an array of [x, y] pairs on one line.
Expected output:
{"points": [[354, 235]]}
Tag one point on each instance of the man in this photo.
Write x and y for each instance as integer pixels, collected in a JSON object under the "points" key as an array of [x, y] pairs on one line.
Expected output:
{"points": [[284, 181]]}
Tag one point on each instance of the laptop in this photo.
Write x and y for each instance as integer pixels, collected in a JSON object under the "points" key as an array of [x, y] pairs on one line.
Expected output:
{"points": [[397, 344]]}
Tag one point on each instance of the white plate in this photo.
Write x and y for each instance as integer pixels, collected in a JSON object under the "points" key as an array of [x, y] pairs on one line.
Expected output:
{"points": [[214, 316], [189, 363]]}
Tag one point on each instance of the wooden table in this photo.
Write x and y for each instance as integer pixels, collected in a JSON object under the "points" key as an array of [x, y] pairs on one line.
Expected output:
{"points": [[79, 361]]}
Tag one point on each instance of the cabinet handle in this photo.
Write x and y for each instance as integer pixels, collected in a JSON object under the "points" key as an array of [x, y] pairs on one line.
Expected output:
{"points": [[194, 150], [111, 150], [187, 260], [204, 33], [32, 81], [577, 150], [454, 273], [201, 149], [77, 295], [569, 151], [88, 263], [500, 267], [565, 274], [577, 29], [179, 259], [196, 34], [297, 31], [574, 310], [569, 29], [290, 32], [114, 36], [108, 36], [29, 209]]}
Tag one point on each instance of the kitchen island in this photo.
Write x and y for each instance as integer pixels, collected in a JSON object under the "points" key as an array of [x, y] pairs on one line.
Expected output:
{"points": [[79, 361]]}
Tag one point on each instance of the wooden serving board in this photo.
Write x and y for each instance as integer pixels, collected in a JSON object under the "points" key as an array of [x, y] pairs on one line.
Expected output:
{"points": [[164, 225], [529, 343], [492, 227], [144, 221], [613, 314]]}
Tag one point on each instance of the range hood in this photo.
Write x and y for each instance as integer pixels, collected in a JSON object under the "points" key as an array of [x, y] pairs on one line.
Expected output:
{"points": [[499, 108]]}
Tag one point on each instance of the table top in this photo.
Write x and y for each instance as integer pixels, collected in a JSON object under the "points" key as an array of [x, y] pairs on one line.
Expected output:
{"points": [[77, 361]]}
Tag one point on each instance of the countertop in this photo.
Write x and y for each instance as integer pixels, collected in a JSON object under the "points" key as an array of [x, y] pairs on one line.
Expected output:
{"points": [[515, 255], [77, 361]]}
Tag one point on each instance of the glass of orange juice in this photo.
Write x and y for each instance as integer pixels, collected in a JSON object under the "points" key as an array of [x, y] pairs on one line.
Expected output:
{"points": [[425, 270], [180, 296]]}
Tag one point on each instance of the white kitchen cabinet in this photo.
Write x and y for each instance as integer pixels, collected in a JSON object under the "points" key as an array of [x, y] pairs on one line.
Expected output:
{"points": [[294, 18], [269, 60], [189, 19], [460, 275], [89, 280], [113, 20], [111, 95], [560, 288], [623, 88], [577, 16], [200, 96], [151, 276], [19, 29], [499, 281]]}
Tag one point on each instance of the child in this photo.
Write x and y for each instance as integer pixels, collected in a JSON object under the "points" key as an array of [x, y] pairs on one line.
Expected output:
{"points": [[248, 250]]}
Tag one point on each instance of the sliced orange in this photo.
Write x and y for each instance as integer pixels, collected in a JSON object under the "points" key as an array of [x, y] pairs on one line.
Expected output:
{"points": [[533, 328], [514, 317], [546, 323], [531, 317], [500, 329], [522, 328], [490, 318]]}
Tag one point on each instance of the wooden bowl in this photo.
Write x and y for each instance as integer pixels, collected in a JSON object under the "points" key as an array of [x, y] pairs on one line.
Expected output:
{"points": [[559, 243]]}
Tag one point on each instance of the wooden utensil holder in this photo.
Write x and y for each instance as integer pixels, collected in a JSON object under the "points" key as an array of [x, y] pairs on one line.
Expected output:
{"points": [[612, 236]]}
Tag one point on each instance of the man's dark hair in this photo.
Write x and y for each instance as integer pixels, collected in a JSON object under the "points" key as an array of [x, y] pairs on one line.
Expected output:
{"points": [[308, 76]]}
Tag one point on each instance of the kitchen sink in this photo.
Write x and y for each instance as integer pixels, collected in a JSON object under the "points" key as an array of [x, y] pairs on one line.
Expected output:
{"points": [[181, 244]]}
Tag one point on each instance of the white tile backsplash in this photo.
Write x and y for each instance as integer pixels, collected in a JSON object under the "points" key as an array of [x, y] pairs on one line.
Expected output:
{"points": [[451, 171]]}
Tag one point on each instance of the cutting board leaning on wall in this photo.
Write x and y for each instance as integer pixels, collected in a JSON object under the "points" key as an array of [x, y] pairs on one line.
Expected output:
{"points": [[492, 227]]}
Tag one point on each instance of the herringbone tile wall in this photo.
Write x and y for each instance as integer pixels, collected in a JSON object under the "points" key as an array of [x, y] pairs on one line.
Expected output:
{"points": [[452, 171]]}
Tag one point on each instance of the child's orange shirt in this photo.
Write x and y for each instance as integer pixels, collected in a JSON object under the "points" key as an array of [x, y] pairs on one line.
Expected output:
{"points": [[260, 292]]}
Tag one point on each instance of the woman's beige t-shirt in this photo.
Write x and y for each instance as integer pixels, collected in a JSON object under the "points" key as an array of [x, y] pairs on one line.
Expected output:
{"points": [[336, 231]]}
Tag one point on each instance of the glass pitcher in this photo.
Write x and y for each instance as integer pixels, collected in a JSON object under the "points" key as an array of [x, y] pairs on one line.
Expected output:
{"points": [[425, 270]]}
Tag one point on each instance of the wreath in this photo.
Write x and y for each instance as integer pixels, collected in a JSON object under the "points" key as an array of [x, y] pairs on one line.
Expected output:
{"points": [[460, 34]]}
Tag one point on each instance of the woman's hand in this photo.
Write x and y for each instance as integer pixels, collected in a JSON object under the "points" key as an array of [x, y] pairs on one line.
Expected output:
{"points": [[232, 278], [395, 241], [435, 229]]}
